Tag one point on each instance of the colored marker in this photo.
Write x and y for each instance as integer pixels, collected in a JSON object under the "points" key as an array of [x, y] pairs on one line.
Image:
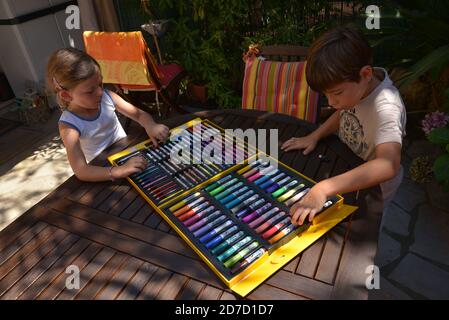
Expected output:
{"points": [[282, 233], [204, 220], [228, 191], [248, 260], [249, 208], [283, 189], [289, 193], [192, 211], [271, 181], [239, 255], [215, 231], [233, 249], [217, 183], [245, 203], [227, 242], [234, 195], [277, 185], [263, 217], [239, 199], [215, 241], [188, 206], [256, 213], [276, 228], [222, 187], [208, 226], [270, 222], [295, 198], [199, 215]]}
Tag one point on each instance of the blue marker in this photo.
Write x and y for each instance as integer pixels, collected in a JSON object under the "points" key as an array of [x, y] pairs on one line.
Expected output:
{"points": [[215, 231], [233, 195], [208, 226], [215, 241], [239, 199]]}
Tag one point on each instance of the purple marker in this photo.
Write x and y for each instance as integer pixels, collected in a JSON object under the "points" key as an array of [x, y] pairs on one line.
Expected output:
{"points": [[208, 226], [200, 214], [266, 215], [203, 221], [256, 213], [251, 207]]}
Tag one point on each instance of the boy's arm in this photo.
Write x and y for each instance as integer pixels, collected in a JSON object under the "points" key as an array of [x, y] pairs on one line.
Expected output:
{"points": [[157, 132], [87, 172], [384, 167]]}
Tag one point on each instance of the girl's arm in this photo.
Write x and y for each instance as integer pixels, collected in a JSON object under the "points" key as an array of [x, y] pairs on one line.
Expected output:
{"points": [[87, 172], [384, 167], [156, 132]]}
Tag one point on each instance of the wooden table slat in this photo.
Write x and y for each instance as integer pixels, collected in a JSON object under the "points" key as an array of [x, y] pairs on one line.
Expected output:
{"points": [[137, 282]]}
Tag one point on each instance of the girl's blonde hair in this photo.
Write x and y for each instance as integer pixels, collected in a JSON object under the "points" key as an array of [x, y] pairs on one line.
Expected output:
{"points": [[66, 69]]}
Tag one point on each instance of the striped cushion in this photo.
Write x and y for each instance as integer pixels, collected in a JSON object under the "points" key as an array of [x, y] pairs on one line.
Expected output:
{"points": [[279, 87]]}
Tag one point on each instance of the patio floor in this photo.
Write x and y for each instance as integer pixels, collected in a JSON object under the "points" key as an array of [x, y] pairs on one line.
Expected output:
{"points": [[413, 254]]}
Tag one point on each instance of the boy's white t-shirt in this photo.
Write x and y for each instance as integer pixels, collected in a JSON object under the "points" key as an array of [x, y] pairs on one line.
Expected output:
{"points": [[98, 133], [379, 118]]}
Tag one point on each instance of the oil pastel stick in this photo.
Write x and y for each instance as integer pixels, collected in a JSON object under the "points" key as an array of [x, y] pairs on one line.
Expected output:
{"points": [[239, 199], [215, 241], [282, 234], [277, 185], [192, 211], [270, 222], [229, 252], [200, 223], [245, 203], [248, 260], [209, 225], [267, 234], [296, 197], [223, 194], [199, 215], [218, 183], [233, 195], [290, 193], [240, 254], [283, 189], [188, 206], [249, 208], [215, 231], [263, 217], [227, 242]]}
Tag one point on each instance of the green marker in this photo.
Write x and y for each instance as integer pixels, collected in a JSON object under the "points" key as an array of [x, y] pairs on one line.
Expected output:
{"points": [[239, 255], [234, 248], [283, 189], [227, 242], [222, 187], [289, 193]]}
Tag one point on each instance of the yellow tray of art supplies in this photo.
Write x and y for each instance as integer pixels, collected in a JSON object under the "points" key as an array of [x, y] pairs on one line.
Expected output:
{"points": [[234, 215]]}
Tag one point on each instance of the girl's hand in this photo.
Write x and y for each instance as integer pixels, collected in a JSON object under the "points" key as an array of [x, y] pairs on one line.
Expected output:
{"points": [[309, 205], [133, 165], [157, 133], [308, 143]]}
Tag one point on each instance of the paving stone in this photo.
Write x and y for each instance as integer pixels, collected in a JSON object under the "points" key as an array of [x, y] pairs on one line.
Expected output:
{"points": [[388, 250], [422, 277], [437, 196], [431, 234], [387, 291], [396, 220], [409, 194]]}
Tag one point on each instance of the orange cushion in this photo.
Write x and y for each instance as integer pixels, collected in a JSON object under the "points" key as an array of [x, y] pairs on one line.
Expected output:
{"points": [[279, 87]]}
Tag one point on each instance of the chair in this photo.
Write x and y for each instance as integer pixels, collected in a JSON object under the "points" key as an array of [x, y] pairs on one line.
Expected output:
{"points": [[277, 83], [126, 61]]}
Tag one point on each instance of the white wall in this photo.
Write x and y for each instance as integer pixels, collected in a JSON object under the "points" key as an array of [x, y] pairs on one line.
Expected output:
{"points": [[27, 46]]}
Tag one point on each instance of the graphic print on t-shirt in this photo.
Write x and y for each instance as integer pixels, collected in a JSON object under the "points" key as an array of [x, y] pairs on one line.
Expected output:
{"points": [[351, 132]]}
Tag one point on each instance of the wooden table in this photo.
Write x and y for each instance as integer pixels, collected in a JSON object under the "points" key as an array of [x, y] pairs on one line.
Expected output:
{"points": [[124, 250]]}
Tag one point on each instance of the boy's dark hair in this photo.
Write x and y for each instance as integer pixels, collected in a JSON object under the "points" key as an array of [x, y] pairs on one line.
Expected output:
{"points": [[337, 56]]}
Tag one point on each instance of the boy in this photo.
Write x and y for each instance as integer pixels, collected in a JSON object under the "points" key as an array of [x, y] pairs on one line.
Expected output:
{"points": [[370, 118]]}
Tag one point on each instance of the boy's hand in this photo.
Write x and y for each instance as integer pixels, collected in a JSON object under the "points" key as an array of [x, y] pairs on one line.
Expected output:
{"points": [[309, 205], [133, 165], [157, 133], [308, 143]]}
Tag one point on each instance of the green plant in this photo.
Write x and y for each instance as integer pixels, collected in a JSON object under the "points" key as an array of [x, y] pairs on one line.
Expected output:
{"points": [[440, 136], [208, 37]]}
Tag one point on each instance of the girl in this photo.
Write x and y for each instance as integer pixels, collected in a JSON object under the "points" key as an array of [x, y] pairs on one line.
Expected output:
{"points": [[88, 123]]}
